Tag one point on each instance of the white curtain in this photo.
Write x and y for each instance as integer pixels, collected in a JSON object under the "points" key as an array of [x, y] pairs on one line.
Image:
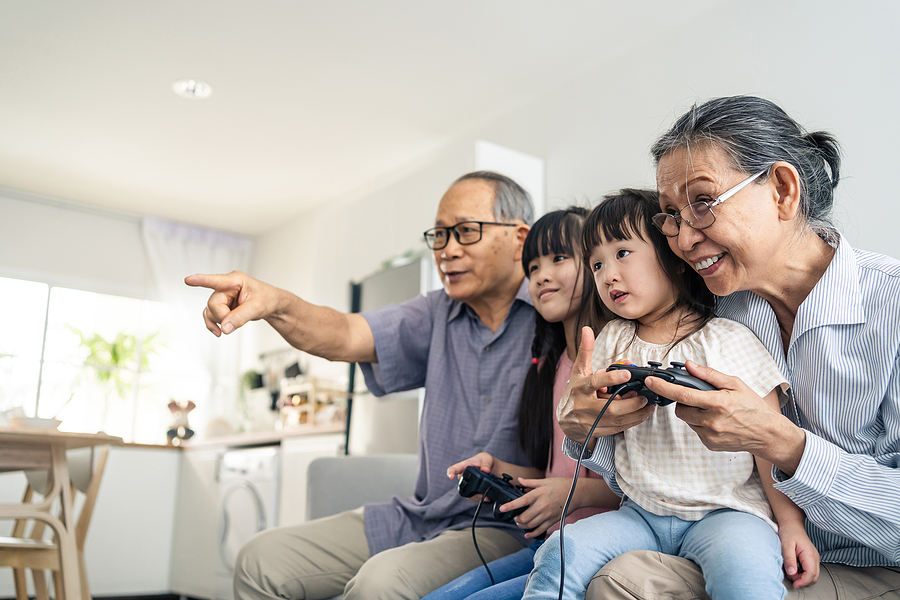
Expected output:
{"points": [[176, 251]]}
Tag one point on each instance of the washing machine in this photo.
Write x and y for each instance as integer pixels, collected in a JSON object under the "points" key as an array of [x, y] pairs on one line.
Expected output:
{"points": [[248, 503]]}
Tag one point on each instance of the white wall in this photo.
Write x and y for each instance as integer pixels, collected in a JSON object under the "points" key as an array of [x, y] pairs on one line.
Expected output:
{"points": [[318, 253], [832, 65]]}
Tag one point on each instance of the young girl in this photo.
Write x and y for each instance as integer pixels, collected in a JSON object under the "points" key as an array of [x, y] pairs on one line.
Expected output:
{"points": [[679, 497], [555, 282]]}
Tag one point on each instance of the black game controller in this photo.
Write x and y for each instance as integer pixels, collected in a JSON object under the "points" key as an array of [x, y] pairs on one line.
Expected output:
{"points": [[675, 374], [499, 491]]}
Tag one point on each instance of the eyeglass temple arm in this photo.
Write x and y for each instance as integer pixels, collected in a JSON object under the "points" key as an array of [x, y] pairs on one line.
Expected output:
{"points": [[738, 188]]}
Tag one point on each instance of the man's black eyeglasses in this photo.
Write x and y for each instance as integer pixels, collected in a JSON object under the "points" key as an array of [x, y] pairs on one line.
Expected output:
{"points": [[467, 232]]}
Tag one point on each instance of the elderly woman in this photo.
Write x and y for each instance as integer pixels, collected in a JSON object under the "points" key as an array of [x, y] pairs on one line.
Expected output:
{"points": [[830, 316]]}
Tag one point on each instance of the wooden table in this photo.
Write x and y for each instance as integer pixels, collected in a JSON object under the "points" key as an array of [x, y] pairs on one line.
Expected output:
{"points": [[43, 449]]}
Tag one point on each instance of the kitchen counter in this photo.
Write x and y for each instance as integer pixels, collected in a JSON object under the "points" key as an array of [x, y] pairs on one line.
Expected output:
{"points": [[259, 438]]}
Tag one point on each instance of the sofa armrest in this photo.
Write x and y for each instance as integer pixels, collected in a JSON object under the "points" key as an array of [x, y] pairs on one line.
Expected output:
{"points": [[339, 483]]}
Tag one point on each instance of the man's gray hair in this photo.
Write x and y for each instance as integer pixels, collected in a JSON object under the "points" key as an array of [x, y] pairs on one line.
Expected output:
{"points": [[511, 201]]}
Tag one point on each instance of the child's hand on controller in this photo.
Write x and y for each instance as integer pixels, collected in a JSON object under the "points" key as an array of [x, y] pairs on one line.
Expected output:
{"points": [[544, 501]]}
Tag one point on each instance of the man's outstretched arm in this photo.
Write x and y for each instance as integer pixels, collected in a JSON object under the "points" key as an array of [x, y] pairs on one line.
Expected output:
{"points": [[238, 298]]}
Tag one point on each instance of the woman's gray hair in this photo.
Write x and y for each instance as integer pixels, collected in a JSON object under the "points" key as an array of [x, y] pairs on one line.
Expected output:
{"points": [[511, 201], [756, 133]]}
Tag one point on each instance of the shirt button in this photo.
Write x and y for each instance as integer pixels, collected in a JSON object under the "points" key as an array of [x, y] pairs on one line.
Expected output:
{"points": [[487, 348], [487, 400]]}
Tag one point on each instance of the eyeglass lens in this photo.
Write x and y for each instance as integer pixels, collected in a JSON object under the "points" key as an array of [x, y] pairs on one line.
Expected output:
{"points": [[698, 215], [467, 232]]}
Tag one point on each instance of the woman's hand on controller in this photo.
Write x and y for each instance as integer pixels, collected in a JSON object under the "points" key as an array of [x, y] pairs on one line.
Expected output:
{"points": [[734, 418], [586, 393], [545, 500]]}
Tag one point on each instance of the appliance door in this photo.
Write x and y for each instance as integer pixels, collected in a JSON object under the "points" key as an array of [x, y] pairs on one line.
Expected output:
{"points": [[248, 488]]}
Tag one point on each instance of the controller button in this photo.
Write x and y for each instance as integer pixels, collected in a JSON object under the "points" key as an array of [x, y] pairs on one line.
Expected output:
{"points": [[678, 365], [654, 364]]}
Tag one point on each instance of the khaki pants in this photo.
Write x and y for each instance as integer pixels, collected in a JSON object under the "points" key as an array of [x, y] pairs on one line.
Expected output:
{"points": [[645, 575], [325, 557]]}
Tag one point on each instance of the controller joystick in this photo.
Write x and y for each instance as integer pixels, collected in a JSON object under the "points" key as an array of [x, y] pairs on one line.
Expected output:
{"points": [[676, 373], [498, 490]]}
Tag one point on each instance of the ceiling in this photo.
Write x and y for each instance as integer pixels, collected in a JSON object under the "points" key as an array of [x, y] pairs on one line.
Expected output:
{"points": [[313, 101]]}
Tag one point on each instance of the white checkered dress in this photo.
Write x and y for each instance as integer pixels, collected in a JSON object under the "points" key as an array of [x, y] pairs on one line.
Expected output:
{"points": [[661, 464]]}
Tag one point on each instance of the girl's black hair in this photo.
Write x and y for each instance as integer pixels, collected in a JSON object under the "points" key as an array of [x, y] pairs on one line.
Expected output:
{"points": [[556, 233], [628, 214]]}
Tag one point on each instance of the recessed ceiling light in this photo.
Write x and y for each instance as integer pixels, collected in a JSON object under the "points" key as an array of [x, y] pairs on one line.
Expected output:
{"points": [[192, 88]]}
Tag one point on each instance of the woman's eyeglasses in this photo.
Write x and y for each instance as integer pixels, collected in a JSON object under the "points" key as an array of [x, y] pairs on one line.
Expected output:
{"points": [[698, 215]]}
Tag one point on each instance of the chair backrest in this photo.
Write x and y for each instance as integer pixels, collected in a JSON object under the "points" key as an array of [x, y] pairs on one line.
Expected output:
{"points": [[339, 483], [90, 495], [82, 463], [86, 466]]}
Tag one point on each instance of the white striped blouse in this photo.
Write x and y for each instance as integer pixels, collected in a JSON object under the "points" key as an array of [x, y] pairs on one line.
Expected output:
{"points": [[844, 369]]}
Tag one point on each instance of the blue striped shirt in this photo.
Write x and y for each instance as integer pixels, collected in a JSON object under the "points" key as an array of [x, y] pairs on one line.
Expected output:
{"points": [[844, 369]]}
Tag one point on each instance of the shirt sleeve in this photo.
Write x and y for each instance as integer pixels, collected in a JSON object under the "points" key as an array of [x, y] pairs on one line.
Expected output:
{"points": [[601, 460], [402, 334], [856, 496], [735, 350]]}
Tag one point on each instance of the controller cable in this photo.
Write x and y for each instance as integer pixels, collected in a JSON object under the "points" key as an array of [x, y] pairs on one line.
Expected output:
{"points": [[474, 519], [562, 519]]}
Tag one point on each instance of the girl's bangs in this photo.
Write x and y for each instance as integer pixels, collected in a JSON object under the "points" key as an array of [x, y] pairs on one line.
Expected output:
{"points": [[553, 234]]}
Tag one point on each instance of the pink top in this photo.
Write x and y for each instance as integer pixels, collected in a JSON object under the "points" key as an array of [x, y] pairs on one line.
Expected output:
{"points": [[560, 464]]}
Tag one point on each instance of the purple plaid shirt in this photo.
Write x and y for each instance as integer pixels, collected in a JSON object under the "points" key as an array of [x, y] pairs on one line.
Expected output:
{"points": [[473, 382]]}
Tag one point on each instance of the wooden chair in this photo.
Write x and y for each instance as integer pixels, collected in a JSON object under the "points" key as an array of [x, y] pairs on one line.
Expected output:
{"points": [[28, 550]]}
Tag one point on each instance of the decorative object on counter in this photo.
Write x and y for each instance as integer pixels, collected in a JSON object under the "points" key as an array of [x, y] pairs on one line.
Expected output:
{"points": [[217, 427], [275, 362], [34, 422], [7, 415], [180, 430], [308, 401], [250, 380]]}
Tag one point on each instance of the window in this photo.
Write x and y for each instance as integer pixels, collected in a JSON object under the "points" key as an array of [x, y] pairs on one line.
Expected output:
{"points": [[95, 361]]}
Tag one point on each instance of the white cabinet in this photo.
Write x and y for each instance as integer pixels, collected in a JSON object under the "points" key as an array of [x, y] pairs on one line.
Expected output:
{"points": [[296, 454], [195, 543], [129, 540]]}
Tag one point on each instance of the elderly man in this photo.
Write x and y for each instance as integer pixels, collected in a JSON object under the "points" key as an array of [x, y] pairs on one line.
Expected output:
{"points": [[468, 344]]}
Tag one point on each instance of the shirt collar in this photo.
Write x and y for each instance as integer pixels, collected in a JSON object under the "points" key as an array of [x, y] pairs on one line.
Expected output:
{"points": [[836, 298], [521, 296]]}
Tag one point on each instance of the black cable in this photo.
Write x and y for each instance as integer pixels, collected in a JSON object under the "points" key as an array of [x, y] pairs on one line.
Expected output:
{"points": [[562, 519], [474, 519]]}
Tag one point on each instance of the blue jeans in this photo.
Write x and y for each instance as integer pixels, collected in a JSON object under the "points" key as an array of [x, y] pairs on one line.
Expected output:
{"points": [[510, 574], [739, 553]]}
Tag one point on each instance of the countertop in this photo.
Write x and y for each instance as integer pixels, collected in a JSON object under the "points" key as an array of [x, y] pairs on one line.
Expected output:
{"points": [[257, 438]]}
